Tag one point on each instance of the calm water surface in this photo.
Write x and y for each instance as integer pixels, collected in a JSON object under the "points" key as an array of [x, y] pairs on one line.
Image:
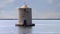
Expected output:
{"points": [[41, 27]]}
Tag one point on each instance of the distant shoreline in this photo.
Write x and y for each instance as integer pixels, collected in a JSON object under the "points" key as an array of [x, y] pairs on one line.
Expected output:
{"points": [[32, 19]]}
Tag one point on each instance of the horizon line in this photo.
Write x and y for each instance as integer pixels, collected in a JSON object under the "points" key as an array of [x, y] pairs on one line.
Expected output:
{"points": [[32, 19]]}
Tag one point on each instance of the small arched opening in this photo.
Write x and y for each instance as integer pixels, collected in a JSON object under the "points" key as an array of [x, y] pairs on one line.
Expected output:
{"points": [[25, 22]]}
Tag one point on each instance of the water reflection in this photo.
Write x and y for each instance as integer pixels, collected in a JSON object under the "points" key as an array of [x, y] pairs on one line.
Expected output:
{"points": [[24, 30]]}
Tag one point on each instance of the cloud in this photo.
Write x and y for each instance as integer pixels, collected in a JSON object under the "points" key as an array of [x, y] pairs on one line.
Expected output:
{"points": [[50, 1], [50, 15], [8, 14], [58, 5], [3, 3], [46, 14]]}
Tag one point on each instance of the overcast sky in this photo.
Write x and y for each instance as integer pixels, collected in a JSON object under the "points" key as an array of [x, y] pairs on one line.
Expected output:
{"points": [[40, 8]]}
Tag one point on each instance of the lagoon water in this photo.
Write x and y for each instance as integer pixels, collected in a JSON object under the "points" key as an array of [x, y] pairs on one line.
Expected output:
{"points": [[41, 27]]}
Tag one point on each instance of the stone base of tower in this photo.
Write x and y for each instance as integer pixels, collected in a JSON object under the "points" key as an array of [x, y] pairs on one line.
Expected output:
{"points": [[25, 25]]}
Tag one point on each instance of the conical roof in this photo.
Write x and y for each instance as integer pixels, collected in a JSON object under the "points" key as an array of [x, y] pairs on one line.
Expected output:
{"points": [[24, 6]]}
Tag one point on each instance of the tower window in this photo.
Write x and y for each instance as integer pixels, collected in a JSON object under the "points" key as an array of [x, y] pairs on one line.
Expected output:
{"points": [[24, 9], [22, 16]]}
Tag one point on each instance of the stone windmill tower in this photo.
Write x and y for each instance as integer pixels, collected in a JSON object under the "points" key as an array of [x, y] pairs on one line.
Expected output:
{"points": [[25, 16]]}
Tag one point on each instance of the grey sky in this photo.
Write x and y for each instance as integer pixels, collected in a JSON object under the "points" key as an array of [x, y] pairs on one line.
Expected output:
{"points": [[40, 8]]}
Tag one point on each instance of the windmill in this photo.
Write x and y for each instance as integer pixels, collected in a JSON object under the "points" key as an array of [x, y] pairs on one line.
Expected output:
{"points": [[25, 15]]}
